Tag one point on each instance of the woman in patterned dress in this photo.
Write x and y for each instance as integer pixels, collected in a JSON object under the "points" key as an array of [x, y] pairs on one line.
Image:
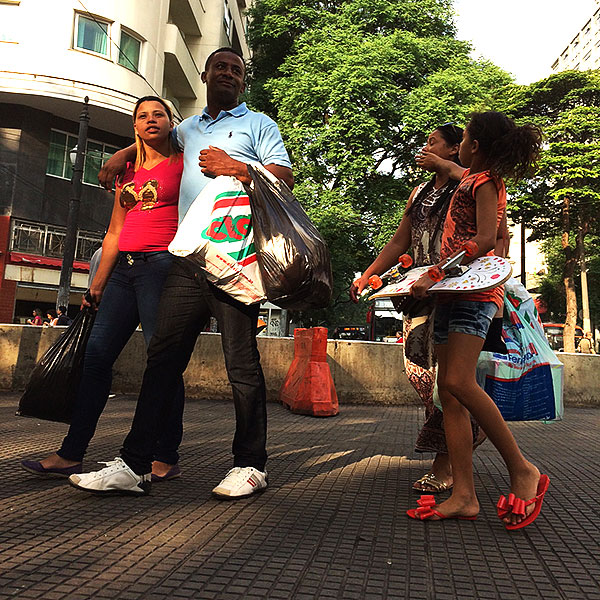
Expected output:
{"points": [[421, 230]]}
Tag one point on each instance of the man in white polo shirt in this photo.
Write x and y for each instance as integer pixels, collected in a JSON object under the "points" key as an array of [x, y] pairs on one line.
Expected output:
{"points": [[221, 141]]}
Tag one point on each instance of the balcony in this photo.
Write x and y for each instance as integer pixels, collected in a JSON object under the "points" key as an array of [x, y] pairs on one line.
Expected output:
{"points": [[181, 74], [48, 241], [187, 15]]}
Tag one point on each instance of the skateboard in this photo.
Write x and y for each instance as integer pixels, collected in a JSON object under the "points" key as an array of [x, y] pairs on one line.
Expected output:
{"points": [[481, 274]]}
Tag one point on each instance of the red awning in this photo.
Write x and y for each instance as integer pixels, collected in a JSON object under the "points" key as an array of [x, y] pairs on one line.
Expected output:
{"points": [[35, 260]]}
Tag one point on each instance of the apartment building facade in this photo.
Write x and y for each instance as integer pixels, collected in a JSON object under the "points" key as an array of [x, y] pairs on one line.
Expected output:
{"points": [[52, 55], [583, 52]]}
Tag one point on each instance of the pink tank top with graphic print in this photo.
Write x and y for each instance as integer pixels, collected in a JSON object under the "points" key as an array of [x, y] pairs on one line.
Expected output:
{"points": [[151, 197]]}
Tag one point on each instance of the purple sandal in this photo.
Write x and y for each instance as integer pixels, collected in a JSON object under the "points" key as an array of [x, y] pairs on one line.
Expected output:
{"points": [[172, 473], [36, 467]]}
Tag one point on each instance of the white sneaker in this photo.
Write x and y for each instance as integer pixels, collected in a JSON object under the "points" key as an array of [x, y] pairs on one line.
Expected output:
{"points": [[241, 482], [115, 478]]}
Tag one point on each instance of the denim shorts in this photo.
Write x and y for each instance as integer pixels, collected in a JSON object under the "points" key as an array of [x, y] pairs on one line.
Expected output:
{"points": [[463, 316]]}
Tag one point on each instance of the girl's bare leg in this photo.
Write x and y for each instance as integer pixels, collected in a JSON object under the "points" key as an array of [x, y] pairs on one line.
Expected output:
{"points": [[460, 393], [459, 439]]}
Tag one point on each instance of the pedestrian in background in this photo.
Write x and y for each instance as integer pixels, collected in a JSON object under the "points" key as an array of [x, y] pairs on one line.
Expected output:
{"points": [[37, 318], [63, 318], [586, 344], [51, 318]]}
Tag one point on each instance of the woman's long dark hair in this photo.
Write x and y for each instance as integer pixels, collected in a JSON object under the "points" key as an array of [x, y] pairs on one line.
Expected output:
{"points": [[452, 135], [509, 150]]}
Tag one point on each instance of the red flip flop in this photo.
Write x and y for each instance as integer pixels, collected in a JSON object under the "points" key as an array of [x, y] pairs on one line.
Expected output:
{"points": [[517, 506], [427, 510]]}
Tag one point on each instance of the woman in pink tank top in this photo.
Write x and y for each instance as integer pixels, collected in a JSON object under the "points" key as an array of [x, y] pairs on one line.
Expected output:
{"points": [[127, 286]]}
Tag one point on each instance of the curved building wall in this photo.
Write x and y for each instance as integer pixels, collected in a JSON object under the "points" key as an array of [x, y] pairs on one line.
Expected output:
{"points": [[40, 58], [53, 53], [42, 62]]}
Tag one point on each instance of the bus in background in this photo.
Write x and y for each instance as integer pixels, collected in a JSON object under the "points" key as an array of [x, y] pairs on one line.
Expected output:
{"points": [[554, 334], [383, 324], [383, 321]]}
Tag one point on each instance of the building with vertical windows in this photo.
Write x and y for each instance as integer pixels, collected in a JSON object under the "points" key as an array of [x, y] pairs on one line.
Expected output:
{"points": [[52, 55], [583, 52]]}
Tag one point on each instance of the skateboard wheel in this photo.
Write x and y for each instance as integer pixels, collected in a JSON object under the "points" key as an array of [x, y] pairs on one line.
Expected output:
{"points": [[375, 282], [470, 247], [405, 260], [435, 274]]}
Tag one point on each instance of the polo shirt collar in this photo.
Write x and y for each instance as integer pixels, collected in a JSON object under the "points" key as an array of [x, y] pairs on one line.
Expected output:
{"points": [[239, 111]]}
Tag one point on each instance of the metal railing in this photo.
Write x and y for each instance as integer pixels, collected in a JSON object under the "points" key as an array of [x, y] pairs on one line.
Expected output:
{"points": [[49, 240]]}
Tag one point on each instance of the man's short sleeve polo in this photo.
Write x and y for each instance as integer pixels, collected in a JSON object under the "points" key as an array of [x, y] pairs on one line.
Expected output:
{"points": [[245, 135]]}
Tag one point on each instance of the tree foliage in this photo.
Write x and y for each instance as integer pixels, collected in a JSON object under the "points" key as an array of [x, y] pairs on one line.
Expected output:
{"points": [[564, 198], [551, 286], [356, 86]]}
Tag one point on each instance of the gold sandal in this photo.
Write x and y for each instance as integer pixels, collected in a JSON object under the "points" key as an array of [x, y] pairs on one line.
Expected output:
{"points": [[434, 484], [482, 436]]}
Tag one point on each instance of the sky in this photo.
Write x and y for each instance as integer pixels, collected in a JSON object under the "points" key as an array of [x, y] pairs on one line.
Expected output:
{"points": [[524, 37]]}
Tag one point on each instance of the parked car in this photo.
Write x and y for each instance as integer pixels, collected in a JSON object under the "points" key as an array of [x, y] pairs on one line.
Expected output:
{"points": [[554, 333], [356, 332]]}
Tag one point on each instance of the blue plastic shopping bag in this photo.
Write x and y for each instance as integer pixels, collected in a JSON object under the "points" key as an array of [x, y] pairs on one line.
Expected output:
{"points": [[526, 383]]}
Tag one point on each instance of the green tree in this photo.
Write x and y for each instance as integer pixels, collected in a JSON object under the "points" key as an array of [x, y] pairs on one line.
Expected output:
{"points": [[564, 198], [356, 86], [551, 286]]}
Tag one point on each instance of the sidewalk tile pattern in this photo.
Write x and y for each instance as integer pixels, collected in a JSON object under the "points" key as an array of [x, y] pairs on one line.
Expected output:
{"points": [[332, 524]]}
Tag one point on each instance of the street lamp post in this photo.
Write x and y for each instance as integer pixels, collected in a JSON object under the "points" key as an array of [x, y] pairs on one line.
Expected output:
{"points": [[66, 270]]}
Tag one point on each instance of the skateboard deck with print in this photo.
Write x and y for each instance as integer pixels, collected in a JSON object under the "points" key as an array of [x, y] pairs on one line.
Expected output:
{"points": [[482, 274]]}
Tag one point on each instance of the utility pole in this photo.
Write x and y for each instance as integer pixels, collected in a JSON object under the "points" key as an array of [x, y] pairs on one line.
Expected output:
{"points": [[66, 270], [585, 302]]}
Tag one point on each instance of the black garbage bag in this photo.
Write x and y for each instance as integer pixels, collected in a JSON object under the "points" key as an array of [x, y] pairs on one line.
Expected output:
{"points": [[293, 258], [51, 391]]}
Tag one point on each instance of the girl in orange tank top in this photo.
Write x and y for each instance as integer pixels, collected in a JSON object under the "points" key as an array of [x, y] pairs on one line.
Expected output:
{"points": [[493, 147]]}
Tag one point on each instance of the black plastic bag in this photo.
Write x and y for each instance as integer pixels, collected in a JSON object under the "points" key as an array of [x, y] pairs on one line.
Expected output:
{"points": [[294, 260], [51, 391]]}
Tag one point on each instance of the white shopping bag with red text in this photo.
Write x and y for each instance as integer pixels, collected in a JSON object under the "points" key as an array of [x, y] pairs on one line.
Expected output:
{"points": [[216, 234]]}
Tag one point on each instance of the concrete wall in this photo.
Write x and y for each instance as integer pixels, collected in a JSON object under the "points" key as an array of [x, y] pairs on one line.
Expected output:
{"points": [[581, 385], [363, 372]]}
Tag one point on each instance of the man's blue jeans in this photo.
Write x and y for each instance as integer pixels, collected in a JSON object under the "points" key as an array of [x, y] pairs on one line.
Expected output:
{"points": [[131, 296], [186, 305]]}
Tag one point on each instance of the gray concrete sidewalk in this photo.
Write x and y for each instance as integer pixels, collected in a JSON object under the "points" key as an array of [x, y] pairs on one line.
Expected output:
{"points": [[331, 525]]}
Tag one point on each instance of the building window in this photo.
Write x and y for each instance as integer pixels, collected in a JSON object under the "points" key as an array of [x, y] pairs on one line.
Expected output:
{"points": [[59, 161], [9, 27], [227, 19], [91, 34], [96, 155], [129, 51]]}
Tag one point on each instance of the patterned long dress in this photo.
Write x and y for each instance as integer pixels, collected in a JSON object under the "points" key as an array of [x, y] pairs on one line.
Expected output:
{"points": [[419, 359]]}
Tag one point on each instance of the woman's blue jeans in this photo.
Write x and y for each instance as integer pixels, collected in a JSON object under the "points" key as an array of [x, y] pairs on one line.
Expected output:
{"points": [[131, 297]]}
